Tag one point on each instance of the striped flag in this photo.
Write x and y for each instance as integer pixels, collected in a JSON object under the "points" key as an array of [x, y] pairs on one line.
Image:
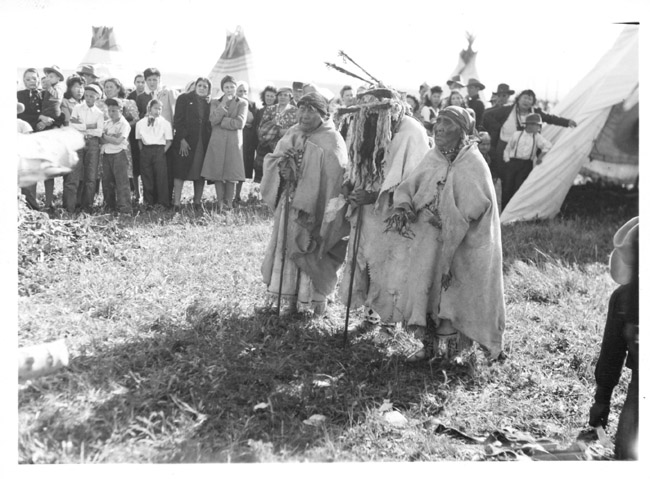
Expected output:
{"points": [[236, 60], [106, 56]]}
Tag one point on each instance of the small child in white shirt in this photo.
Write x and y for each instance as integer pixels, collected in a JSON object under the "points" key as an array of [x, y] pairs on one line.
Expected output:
{"points": [[154, 135], [521, 154], [115, 141]]}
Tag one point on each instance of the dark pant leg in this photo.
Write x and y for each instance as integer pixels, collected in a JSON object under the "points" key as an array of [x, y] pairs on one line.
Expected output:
{"points": [[625, 445], [108, 180], [30, 196], [524, 169], [121, 178], [169, 166], [72, 184], [510, 173], [91, 169], [146, 171], [161, 176]]}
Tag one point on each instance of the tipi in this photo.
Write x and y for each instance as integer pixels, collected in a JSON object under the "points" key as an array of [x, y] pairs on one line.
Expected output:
{"points": [[596, 104], [236, 60], [466, 66], [106, 55]]}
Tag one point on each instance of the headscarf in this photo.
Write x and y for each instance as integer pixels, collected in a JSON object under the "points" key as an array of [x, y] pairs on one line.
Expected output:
{"points": [[316, 101], [460, 116]]}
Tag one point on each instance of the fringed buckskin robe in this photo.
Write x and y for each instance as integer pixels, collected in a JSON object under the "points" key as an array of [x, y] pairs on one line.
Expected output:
{"points": [[318, 256], [380, 253], [457, 231]]}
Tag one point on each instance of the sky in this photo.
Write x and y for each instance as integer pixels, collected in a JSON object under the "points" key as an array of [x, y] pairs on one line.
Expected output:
{"points": [[547, 46]]}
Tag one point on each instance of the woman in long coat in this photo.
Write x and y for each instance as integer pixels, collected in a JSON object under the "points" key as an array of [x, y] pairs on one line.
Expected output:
{"points": [[224, 160], [192, 135]]}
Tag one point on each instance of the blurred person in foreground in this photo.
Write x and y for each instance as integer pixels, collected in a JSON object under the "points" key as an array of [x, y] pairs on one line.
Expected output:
{"points": [[304, 172], [451, 292], [620, 346]]}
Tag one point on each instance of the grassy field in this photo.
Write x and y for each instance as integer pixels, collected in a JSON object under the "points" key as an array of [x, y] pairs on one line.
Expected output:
{"points": [[175, 358]]}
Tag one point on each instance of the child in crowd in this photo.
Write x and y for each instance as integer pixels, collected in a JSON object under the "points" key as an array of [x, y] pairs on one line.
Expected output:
{"points": [[520, 154], [51, 115], [115, 141], [89, 120], [154, 135], [32, 100]]}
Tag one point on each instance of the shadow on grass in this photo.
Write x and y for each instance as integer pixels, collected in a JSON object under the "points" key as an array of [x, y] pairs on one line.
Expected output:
{"points": [[581, 234], [229, 388]]}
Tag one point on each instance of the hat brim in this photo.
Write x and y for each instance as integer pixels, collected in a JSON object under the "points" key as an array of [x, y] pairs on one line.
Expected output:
{"points": [[51, 70], [480, 86], [509, 92], [620, 271]]}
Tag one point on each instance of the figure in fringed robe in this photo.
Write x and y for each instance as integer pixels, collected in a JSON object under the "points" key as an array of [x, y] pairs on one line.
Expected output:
{"points": [[313, 256], [384, 146]]}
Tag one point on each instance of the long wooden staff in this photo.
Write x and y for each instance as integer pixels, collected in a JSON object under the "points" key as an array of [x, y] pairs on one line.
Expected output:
{"points": [[355, 250], [284, 243]]}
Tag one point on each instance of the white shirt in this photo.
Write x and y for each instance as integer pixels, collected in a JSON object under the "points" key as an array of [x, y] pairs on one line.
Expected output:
{"points": [[88, 115], [119, 128], [524, 145], [157, 134]]}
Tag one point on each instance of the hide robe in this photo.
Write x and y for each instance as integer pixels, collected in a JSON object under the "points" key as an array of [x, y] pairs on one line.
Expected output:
{"points": [[312, 257], [457, 232], [379, 253]]}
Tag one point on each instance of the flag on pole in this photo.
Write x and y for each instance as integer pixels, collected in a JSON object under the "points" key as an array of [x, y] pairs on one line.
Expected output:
{"points": [[236, 60]]}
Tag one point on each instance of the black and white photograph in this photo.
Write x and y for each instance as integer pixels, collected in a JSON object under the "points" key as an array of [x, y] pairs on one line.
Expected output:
{"points": [[389, 237]]}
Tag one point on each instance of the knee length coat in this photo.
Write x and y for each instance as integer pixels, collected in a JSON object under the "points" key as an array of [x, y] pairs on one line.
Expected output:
{"points": [[224, 160], [189, 126]]}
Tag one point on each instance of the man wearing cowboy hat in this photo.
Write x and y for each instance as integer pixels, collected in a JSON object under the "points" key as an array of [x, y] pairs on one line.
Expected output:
{"points": [[87, 72], [474, 101], [503, 94], [620, 344]]}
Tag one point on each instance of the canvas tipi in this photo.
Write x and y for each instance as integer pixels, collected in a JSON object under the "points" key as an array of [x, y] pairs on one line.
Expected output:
{"points": [[466, 66], [596, 104], [236, 60], [106, 56]]}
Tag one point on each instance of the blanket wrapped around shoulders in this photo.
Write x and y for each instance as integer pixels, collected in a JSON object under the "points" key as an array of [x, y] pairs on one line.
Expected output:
{"points": [[316, 251], [457, 235]]}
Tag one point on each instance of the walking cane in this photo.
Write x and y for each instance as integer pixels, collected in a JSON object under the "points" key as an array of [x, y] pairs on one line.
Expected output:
{"points": [[355, 250], [284, 244]]}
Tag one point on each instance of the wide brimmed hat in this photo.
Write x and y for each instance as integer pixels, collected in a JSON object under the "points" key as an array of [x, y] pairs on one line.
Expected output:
{"points": [[475, 82], [380, 93], [533, 118], [504, 88], [87, 70], [54, 69], [21, 108], [297, 85], [94, 87], [623, 262], [455, 79]]}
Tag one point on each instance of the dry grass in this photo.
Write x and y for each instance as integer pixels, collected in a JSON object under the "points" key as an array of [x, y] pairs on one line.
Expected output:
{"points": [[173, 350]]}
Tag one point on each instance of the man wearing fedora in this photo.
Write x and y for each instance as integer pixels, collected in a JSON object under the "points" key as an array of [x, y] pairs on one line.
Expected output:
{"points": [[620, 346], [474, 101], [87, 72], [503, 95]]}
